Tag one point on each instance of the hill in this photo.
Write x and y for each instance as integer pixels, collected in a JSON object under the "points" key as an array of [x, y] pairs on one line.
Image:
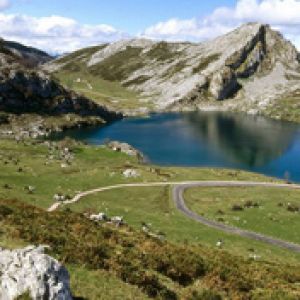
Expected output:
{"points": [[249, 69], [25, 89], [29, 56]]}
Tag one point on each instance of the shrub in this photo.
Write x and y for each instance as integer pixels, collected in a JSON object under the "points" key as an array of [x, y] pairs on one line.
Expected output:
{"points": [[237, 207]]}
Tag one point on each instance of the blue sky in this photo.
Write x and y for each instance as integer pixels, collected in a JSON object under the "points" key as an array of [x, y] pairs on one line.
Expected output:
{"points": [[59, 26], [132, 16]]}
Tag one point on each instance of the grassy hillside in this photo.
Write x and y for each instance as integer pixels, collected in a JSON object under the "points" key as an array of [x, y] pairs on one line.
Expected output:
{"points": [[44, 167], [158, 268], [102, 82], [125, 261], [287, 108], [270, 211], [109, 93]]}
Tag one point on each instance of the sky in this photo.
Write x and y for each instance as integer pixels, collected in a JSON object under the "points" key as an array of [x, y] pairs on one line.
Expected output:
{"points": [[59, 26]]}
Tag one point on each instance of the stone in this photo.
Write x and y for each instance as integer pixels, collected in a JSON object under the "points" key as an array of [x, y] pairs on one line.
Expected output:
{"points": [[131, 173], [99, 217], [117, 220], [31, 270], [125, 148]]}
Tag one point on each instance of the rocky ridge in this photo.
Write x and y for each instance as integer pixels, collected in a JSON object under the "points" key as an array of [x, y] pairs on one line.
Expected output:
{"points": [[249, 67], [27, 90]]}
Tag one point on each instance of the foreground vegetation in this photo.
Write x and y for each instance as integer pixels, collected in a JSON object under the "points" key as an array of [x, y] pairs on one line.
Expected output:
{"points": [[160, 269], [175, 258]]}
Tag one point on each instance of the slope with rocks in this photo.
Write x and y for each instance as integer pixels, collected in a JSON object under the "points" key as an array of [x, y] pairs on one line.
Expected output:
{"points": [[28, 56], [250, 68], [28, 90]]}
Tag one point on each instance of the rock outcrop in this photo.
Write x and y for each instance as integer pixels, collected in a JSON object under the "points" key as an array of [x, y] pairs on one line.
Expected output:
{"points": [[24, 89], [223, 84], [125, 148], [31, 271], [252, 66]]}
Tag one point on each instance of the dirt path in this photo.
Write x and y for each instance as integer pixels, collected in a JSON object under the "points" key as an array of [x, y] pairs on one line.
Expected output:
{"points": [[178, 190]]}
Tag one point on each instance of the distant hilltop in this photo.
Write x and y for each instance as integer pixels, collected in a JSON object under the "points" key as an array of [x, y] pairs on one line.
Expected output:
{"points": [[253, 69], [247, 69]]}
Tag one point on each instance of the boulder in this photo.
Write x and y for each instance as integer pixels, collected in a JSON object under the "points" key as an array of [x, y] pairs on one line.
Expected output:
{"points": [[99, 217], [31, 270], [131, 173], [125, 148]]}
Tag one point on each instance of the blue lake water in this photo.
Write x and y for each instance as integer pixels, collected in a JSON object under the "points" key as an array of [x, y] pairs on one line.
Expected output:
{"points": [[208, 139]]}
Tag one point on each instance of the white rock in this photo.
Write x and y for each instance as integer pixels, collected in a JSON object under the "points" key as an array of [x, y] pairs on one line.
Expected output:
{"points": [[99, 217], [30, 270], [129, 173], [117, 220]]}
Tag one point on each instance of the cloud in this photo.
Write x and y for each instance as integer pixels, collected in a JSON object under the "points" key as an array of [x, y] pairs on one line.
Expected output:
{"points": [[55, 34], [4, 4], [192, 30], [283, 15]]}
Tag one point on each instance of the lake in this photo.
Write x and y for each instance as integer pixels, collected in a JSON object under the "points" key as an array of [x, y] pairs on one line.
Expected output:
{"points": [[207, 139]]}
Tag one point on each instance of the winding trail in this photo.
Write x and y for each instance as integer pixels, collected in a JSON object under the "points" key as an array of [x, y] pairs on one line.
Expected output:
{"points": [[177, 193]]}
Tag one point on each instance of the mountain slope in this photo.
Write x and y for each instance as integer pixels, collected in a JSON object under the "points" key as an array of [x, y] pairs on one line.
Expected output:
{"points": [[250, 68], [27, 90], [28, 56]]}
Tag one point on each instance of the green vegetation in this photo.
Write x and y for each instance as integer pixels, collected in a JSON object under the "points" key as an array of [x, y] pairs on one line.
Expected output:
{"points": [[119, 66], [138, 80], [25, 296], [101, 285], [111, 94], [204, 63], [41, 165], [82, 53], [287, 108], [271, 211], [181, 261], [160, 269], [175, 69], [154, 206], [162, 52]]}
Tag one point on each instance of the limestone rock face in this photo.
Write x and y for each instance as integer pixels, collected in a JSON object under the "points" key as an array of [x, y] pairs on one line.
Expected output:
{"points": [[223, 84], [24, 89], [254, 58], [30, 270]]}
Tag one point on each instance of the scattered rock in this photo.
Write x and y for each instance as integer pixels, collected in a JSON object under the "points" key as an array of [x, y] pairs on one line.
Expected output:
{"points": [[59, 198], [131, 173], [125, 148], [30, 189], [30, 270], [118, 221], [99, 217]]}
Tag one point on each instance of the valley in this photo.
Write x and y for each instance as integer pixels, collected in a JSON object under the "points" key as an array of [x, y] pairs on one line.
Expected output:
{"points": [[191, 113]]}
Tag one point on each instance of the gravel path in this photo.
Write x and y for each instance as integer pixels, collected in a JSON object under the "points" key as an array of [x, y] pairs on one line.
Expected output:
{"points": [[178, 191]]}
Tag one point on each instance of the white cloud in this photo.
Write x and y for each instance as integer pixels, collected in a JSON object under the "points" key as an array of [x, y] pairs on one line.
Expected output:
{"points": [[192, 30], [55, 34], [283, 15], [4, 4]]}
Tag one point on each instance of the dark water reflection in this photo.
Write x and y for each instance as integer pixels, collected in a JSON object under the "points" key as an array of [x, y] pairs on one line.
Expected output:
{"points": [[214, 139]]}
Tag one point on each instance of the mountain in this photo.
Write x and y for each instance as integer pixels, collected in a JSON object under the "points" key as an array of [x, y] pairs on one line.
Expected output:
{"points": [[25, 89], [28, 56], [247, 69]]}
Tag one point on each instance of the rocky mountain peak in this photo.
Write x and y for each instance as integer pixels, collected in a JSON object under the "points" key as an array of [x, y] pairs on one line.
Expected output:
{"points": [[251, 65]]}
